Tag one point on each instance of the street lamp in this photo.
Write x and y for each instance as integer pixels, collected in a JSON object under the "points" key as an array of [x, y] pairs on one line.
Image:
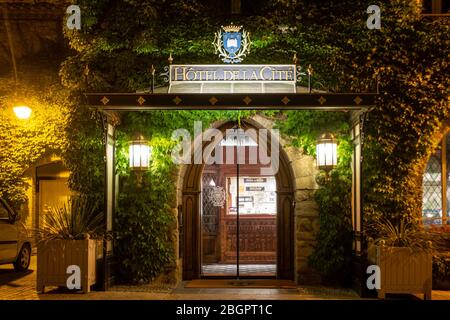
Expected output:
{"points": [[140, 153], [22, 112], [326, 152]]}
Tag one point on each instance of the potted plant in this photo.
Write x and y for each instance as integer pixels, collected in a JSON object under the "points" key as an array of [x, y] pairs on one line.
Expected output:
{"points": [[69, 236], [403, 252]]}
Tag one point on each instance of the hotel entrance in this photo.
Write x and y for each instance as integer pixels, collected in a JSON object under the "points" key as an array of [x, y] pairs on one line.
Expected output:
{"points": [[238, 213], [237, 218], [234, 220]]}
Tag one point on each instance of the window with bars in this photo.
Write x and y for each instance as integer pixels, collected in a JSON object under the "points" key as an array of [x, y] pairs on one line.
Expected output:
{"points": [[436, 185]]}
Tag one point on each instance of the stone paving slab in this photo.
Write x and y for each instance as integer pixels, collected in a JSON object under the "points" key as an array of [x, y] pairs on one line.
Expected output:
{"points": [[18, 285]]}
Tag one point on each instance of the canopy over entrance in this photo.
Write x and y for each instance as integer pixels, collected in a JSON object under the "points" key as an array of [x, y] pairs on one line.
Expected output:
{"points": [[232, 87], [256, 101], [246, 87]]}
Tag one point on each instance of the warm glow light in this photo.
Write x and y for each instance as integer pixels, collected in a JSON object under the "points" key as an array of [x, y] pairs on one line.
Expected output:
{"points": [[140, 154], [22, 112], [326, 152]]}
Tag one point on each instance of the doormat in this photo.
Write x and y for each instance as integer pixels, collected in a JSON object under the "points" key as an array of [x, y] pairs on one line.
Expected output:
{"points": [[251, 284]]}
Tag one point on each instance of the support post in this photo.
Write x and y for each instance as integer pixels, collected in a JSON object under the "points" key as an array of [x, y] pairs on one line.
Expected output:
{"points": [[109, 122], [360, 262], [310, 71], [152, 70]]}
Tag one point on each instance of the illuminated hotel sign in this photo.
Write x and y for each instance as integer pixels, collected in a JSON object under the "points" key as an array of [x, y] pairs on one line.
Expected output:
{"points": [[232, 43], [232, 78], [232, 73]]}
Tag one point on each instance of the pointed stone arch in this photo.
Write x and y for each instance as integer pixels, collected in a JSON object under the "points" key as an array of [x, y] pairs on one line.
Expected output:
{"points": [[190, 222]]}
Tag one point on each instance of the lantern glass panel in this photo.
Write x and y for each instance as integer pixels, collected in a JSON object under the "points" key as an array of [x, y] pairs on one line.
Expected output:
{"points": [[139, 156], [326, 154]]}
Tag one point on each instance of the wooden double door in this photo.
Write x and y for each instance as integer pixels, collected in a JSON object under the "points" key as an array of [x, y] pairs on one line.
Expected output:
{"points": [[253, 228]]}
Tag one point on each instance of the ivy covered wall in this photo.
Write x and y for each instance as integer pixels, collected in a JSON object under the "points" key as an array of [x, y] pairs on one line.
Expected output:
{"points": [[120, 40], [24, 142]]}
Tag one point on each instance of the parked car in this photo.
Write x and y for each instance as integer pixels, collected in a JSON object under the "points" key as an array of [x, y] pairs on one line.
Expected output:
{"points": [[15, 245]]}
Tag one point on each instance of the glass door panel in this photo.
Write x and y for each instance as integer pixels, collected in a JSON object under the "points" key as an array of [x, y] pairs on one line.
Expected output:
{"points": [[214, 203], [257, 222], [238, 217]]}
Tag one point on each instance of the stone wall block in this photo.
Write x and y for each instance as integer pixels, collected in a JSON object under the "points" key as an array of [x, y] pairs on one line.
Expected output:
{"points": [[305, 235], [307, 208], [304, 167], [308, 182], [304, 224], [303, 195], [306, 251]]}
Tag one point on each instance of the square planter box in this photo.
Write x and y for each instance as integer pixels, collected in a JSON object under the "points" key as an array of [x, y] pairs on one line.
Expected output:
{"points": [[402, 270], [55, 256]]}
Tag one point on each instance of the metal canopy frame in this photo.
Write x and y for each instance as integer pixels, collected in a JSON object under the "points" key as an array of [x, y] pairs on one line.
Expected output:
{"points": [[110, 103], [234, 101]]}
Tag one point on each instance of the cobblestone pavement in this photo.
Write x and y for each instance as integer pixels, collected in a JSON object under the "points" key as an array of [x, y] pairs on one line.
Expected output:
{"points": [[22, 286], [18, 285]]}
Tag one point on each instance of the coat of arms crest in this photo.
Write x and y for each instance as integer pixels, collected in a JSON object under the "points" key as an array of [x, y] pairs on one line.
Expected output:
{"points": [[231, 44]]}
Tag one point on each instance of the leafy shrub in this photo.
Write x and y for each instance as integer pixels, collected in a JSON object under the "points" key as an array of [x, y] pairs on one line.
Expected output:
{"points": [[402, 232], [333, 253], [143, 242]]}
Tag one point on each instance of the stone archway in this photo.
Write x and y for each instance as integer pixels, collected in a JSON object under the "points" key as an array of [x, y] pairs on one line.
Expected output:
{"points": [[191, 223]]}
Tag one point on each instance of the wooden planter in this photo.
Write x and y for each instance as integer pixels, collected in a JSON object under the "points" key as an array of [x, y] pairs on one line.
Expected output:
{"points": [[55, 256], [403, 270]]}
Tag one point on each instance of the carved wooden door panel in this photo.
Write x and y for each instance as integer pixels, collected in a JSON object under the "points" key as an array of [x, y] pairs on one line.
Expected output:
{"points": [[257, 240]]}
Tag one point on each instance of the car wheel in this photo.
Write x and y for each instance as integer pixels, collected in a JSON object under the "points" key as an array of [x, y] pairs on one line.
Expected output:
{"points": [[23, 259]]}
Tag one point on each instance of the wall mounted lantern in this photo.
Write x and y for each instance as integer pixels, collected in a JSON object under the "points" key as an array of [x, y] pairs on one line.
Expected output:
{"points": [[139, 153], [326, 152], [22, 112]]}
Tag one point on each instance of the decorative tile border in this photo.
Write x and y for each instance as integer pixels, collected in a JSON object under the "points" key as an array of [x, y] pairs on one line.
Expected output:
{"points": [[293, 101]]}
